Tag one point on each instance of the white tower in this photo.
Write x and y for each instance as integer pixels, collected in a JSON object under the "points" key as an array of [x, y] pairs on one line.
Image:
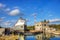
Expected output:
{"points": [[20, 25]]}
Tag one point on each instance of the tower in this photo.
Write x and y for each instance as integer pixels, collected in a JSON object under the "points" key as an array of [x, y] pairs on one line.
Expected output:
{"points": [[20, 25]]}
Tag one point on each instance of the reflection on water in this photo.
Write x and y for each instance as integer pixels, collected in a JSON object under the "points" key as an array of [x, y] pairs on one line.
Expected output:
{"points": [[55, 38], [30, 38], [33, 38]]}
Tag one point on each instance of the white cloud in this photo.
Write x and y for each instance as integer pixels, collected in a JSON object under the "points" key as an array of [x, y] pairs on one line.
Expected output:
{"points": [[14, 12], [6, 24], [1, 19], [12, 21], [34, 14], [54, 20], [27, 20], [2, 5], [7, 9]]}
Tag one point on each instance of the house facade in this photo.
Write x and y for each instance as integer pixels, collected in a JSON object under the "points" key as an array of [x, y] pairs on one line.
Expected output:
{"points": [[20, 25], [41, 25]]}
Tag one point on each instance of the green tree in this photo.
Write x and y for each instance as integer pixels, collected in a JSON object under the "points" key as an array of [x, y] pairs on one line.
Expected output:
{"points": [[0, 26]]}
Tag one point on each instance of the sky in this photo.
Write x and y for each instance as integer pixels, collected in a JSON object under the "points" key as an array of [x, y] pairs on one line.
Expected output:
{"points": [[11, 10]]}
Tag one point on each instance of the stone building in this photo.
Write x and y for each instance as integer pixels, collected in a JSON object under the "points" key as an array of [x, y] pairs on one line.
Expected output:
{"points": [[2, 30], [41, 25]]}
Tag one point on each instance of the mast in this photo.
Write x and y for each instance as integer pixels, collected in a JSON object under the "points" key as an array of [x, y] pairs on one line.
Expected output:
{"points": [[34, 15]]}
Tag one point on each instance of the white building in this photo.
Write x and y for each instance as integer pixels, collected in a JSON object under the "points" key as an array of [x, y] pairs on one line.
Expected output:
{"points": [[44, 26], [20, 25], [41, 25]]}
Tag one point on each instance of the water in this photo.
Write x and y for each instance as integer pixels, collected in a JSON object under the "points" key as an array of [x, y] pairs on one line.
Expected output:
{"points": [[30, 38], [33, 38], [55, 38]]}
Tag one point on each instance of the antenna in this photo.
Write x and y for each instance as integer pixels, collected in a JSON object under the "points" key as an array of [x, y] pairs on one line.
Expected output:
{"points": [[34, 15]]}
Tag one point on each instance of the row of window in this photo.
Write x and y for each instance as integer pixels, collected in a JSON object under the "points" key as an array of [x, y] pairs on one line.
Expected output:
{"points": [[42, 25]]}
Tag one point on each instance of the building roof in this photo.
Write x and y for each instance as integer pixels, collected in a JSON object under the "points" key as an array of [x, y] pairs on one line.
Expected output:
{"points": [[41, 22], [19, 20]]}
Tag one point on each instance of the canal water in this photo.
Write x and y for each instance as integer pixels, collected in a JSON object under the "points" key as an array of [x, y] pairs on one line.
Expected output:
{"points": [[30, 38], [55, 38], [33, 38]]}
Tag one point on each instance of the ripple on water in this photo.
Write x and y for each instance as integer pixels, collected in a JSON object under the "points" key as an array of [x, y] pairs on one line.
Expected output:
{"points": [[30, 38], [55, 38]]}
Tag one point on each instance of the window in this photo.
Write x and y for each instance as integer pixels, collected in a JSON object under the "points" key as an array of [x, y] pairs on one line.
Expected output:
{"points": [[21, 26], [37, 25], [38, 36], [44, 24], [40, 25]]}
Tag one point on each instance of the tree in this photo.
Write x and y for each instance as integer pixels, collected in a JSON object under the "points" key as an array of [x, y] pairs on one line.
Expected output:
{"points": [[0, 27], [45, 20], [55, 26], [30, 27]]}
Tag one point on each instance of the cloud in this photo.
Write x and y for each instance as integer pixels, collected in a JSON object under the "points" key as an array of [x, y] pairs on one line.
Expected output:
{"points": [[54, 20], [28, 20], [2, 5], [34, 14], [6, 24], [7, 9], [12, 21], [14, 12], [1, 19]]}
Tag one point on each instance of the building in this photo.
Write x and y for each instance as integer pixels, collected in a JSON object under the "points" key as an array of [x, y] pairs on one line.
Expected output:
{"points": [[2, 31], [41, 25], [20, 25]]}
